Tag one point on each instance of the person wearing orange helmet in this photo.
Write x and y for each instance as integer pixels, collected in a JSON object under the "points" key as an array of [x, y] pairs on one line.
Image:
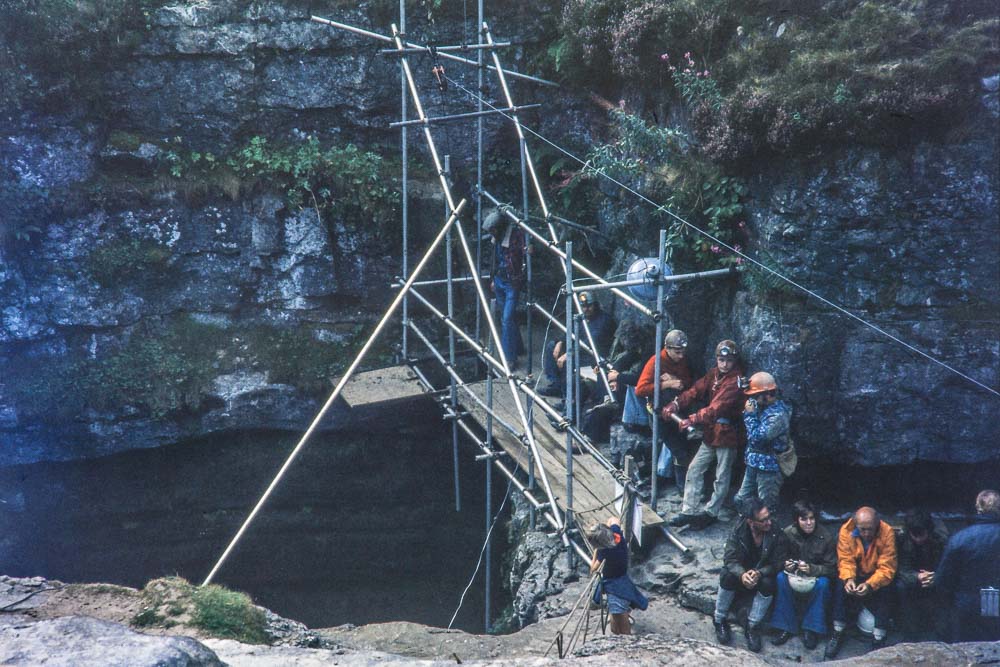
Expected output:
{"points": [[767, 419]]}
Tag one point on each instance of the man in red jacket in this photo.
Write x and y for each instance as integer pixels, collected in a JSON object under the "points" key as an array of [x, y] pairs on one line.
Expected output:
{"points": [[720, 421]]}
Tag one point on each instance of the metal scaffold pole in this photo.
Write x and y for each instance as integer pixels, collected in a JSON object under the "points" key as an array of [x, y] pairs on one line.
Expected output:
{"points": [[570, 382], [405, 178], [656, 370], [487, 585], [340, 386], [451, 350]]}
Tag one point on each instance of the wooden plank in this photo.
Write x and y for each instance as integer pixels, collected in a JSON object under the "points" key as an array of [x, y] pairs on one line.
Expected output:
{"points": [[382, 385], [593, 487]]}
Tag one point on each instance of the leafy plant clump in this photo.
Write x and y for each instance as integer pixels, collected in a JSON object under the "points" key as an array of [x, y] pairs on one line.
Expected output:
{"points": [[127, 261], [783, 78], [218, 611], [659, 164], [343, 181]]}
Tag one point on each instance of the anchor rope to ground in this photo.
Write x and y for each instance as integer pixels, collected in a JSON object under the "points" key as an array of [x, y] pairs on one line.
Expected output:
{"points": [[760, 265]]}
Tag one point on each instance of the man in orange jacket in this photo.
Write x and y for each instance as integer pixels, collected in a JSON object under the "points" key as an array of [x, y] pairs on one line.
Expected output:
{"points": [[866, 566]]}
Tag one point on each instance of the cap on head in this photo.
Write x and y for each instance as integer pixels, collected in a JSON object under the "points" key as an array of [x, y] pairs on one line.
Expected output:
{"points": [[587, 298], [726, 348], [761, 382], [493, 220], [675, 338]]}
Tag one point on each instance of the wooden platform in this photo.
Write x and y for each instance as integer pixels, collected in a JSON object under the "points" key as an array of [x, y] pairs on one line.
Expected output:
{"points": [[382, 386], [593, 487]]}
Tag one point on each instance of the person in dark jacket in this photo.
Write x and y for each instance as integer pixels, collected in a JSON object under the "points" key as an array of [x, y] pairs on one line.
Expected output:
{"points": [[675, 377], [721, 421], [624, 366], [623, 596], [755, 553], [602, 328], [919, 547], [969, 567], [507, 280], [812, 553]]}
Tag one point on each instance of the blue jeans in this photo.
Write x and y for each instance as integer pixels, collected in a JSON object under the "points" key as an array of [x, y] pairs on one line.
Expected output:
{"points": [[784, 616], [510, 335], [763, 484]]}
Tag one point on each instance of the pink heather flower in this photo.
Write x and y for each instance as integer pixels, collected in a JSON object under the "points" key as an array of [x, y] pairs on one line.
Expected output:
{"points": [[687, 70], [716, 250], [705, 73], [673, 69], [688, 55], [742, 225], [739, 260], [665, 57], [737, 247], [621, 104]]}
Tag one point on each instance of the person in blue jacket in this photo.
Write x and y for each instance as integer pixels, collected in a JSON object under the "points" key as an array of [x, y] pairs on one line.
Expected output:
{"points": [[969, 568], [767, 419], [622, 594]]}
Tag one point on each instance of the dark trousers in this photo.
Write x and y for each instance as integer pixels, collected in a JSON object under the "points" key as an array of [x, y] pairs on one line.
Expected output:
{"points": [[767, 585], [918, 612], [878, 603]]}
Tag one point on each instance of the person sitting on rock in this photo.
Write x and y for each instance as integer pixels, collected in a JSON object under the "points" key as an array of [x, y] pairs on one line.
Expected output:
{"points": [[812, 562], [866, 566], [612, 550], [675, 377], [768, 421], [755, 553], [969, 568], [721, 422], [602, 329], [919, 547], [624, 366]]}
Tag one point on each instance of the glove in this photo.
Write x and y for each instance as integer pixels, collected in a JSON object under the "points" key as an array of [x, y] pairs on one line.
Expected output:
{"points": [[669, 409], [685, 424]]}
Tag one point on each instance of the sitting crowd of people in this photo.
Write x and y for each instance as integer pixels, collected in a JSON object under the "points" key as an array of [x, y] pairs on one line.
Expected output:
{"points": [[802, 580], [933, 587]]}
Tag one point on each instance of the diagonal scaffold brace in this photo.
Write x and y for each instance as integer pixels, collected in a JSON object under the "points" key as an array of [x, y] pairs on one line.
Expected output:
{"points": [[452, 219]]}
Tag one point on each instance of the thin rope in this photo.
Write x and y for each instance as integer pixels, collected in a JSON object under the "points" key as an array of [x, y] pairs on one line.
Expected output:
{"points": [[482, 551], [720, 242]]}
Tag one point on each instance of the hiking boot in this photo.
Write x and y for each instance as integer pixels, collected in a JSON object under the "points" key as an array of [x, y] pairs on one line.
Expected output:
{"points": [[723, 632], [552, 390], [877, 644], [810, 639], [752, 634], [782, 638], [681, 520], [834, 645]]}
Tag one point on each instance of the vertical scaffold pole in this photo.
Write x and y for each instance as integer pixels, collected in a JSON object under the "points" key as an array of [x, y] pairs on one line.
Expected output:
{"points": [[451, 350], [658, 316], [479, 160], [568, 404], [405, 207], [489, 382]]}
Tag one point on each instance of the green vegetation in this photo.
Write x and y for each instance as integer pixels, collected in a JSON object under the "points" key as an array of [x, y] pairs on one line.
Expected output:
{"points": [[775, 77], [172, 368], [127, 262], [660, 164], [218, 611], [345, 181]]}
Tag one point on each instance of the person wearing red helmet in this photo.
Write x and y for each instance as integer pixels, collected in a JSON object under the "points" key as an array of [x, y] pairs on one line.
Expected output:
{"points": [[767, 419]]}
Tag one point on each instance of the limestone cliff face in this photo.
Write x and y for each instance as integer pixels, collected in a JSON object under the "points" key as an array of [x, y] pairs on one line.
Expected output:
{"points": [[138, 309]]}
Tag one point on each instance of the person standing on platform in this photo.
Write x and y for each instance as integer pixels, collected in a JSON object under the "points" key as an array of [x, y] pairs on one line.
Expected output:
{"points": [[675, 377], [768, 421], [507, 278], [721, 422]]}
